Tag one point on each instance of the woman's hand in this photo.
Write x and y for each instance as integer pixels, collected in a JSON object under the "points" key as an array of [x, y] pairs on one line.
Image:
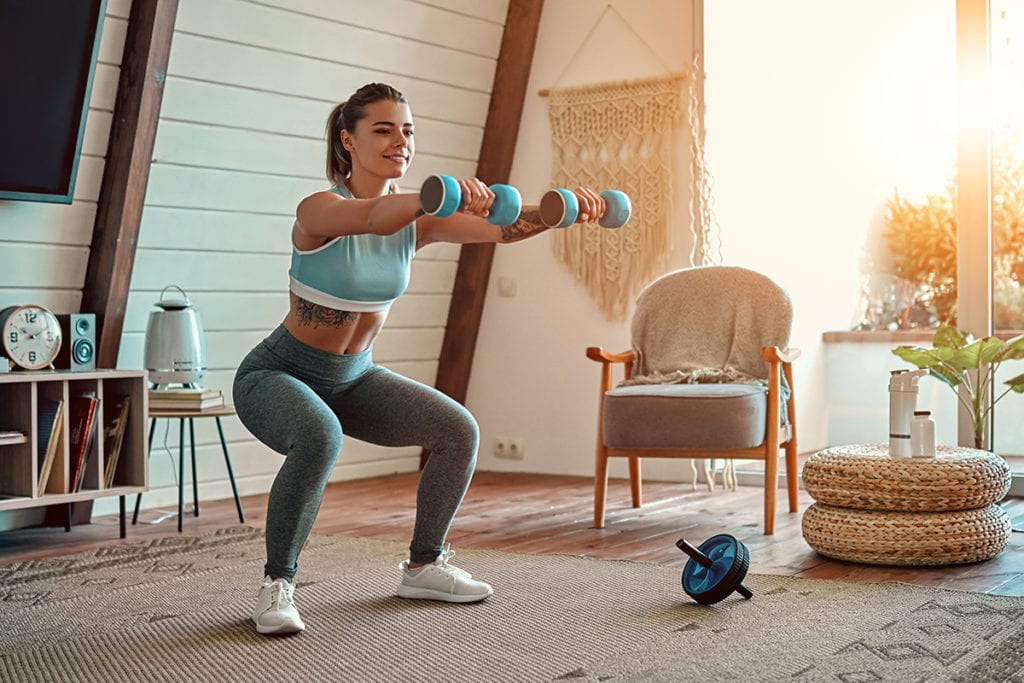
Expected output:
{"points": [[476, 197], [592, 205]]}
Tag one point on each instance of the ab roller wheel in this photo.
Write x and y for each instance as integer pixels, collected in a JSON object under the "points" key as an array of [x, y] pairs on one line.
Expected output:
{"points": [[441, 196], [715, 569], [559, 208]]}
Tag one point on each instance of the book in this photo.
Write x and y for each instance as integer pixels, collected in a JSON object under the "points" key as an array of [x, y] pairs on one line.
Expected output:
{"points": [[83, 429], [113, 438], [9, 437], [51, 430], [185, 400]]}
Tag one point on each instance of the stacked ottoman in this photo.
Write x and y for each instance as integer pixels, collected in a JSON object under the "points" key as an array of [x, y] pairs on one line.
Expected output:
{"points": [[875, 509]]}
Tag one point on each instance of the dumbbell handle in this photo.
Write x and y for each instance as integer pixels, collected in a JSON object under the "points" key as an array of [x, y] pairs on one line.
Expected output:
{"points": [[441, 196], [560, 207]]}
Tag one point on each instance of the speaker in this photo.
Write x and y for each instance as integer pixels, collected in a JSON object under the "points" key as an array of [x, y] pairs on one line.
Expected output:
{"points": [[78, 350]]}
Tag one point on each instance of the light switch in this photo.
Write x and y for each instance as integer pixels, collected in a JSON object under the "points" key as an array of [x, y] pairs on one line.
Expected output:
{"points": [[506, 286]]}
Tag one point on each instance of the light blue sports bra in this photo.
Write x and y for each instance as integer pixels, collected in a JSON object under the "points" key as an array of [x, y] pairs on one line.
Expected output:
{"points": [[360, 273]]}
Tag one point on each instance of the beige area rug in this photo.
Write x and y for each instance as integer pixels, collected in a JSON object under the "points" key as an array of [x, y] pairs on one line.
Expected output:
{"points": [[177, 609]]}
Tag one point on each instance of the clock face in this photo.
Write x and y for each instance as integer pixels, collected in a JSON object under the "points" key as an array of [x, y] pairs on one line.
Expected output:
{"points": [[31, 336]]}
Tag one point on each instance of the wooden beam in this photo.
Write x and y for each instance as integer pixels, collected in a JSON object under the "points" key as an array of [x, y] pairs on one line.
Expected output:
{"points": [[497, 149], [494, 165], [126, 171]]}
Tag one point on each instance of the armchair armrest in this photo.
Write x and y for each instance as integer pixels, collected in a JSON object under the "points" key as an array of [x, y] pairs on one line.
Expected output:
{"points": [[606, 359], [773, 354], [601, 356]]}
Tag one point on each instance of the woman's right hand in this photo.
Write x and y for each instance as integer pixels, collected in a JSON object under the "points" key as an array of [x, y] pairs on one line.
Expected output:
{"points": [[476, 197]]}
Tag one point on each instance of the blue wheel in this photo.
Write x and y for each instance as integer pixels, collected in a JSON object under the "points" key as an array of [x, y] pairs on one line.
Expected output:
{"points": [[618, 209], [507, 205], [440, 195], [559, 208], [727, 563]]}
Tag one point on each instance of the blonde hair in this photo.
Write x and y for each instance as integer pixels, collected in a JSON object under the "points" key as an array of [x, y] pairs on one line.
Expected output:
{"points": [[345, 116]]}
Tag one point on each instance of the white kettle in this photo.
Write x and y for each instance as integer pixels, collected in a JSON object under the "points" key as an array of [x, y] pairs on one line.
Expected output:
{"points": [[175, 349]]}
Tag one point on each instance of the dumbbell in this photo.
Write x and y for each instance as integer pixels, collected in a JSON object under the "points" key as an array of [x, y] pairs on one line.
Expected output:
{"points": [[441, 196], [560, 207], [715, 569]]}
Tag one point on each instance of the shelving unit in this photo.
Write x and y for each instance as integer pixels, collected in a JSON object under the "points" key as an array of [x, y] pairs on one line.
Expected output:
{"points": [[20, 397]]}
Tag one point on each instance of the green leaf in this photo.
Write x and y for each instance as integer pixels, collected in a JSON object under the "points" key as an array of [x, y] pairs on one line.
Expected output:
{"points": [[992, 349], [946, 375], [1014, 349], [967, 358], [922, 358], [1016, 383], [948, 336]]}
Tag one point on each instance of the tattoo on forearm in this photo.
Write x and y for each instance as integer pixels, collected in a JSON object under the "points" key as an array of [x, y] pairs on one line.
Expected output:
{"points": [[528, 223], [316, 315]]}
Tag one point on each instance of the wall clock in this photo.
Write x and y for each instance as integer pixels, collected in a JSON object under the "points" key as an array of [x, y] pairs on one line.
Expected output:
{"points": [[31, 336]]}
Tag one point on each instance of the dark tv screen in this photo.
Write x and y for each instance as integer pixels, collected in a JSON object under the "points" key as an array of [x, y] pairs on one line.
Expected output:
{"points": [[48, 54]]}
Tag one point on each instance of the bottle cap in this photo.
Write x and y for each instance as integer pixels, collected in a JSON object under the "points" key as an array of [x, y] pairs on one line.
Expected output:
{"points": [[922, 412]]}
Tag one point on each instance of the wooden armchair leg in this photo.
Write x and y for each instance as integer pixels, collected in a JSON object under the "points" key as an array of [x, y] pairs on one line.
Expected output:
{"points": [[634, 481], [771, 485], [600, 488], [791, 475]]}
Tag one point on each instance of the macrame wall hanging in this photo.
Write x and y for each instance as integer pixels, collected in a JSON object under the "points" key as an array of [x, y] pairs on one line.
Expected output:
{"points": [[617, 136]]}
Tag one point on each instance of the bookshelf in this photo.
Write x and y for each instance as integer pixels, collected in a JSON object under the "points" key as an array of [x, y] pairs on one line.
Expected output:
{"points": [[23, 398]]}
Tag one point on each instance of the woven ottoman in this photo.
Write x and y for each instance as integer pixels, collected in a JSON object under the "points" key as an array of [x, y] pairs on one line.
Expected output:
{"points": [[874, 509]]}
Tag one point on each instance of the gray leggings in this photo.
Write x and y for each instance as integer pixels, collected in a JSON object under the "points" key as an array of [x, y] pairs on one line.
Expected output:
{"points": [[296, 399]]}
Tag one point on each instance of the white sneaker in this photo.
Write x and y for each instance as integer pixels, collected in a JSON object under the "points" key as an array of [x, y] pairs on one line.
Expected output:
{"points": [[275, 611], [441, 581]]}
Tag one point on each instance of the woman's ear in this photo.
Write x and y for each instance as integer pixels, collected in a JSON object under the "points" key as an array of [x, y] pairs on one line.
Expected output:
{"points": [[346, 140]]}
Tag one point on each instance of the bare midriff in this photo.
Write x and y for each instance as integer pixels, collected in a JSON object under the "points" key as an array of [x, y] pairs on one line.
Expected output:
{"points": [[331, 330]]}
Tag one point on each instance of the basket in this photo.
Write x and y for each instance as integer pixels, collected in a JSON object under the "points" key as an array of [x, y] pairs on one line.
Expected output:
{"points": [[864, 477], [906, 538]]}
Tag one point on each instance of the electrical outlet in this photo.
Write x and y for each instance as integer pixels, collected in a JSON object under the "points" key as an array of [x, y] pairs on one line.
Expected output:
{"points": [[508, 447]]}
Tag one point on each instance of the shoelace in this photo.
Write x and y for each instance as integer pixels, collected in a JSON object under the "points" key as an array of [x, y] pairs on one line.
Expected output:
{"points": [[444, 559], [281, 595]]}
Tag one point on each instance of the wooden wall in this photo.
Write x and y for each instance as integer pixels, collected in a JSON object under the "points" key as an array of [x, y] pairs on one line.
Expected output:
{"points": [[239, 143]]}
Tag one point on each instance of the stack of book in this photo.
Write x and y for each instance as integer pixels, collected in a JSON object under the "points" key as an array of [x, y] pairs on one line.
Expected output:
{"points": [[185, 400]]}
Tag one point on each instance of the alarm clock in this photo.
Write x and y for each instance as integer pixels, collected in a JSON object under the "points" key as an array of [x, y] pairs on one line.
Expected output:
{"points": [[31, 336]]}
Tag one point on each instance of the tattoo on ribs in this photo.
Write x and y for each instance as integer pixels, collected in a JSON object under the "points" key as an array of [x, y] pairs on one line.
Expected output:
{"points": [[528, 223], [316, 315]]}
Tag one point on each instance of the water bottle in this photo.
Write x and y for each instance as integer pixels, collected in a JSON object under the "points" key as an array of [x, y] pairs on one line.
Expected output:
{"points": [[922, 435], [902, 403]]}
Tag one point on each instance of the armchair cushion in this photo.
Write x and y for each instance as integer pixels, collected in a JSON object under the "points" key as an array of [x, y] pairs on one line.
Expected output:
{"points": [[685, 416]]}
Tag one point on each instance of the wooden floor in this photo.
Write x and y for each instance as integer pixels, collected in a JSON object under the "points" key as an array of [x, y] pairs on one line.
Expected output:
{"points": [[533, 513]]}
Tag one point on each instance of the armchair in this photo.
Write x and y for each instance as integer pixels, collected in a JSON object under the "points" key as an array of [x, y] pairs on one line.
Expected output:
{"points": [[708, 376]]}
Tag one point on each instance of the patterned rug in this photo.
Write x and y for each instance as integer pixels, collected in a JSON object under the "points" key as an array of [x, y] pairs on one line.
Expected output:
{"points": [[176, 609]]}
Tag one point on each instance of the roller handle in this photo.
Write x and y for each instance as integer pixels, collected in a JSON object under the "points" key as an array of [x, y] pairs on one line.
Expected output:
{"points": [[698, 557]]}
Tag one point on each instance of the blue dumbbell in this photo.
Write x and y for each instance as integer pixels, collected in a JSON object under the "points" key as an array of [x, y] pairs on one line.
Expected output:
{"points": [[441, 196], [560, 207]]}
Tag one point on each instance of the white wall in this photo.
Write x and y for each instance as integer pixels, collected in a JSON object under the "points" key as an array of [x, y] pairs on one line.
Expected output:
{"points": [[530, 377], [816, 113], [239, 143]]}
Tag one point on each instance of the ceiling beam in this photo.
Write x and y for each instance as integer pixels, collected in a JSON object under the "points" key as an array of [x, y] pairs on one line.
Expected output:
{"points": [[126, 171]]}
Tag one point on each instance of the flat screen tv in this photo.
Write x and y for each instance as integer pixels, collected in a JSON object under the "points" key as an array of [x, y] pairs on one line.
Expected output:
{"points": [[48, 54]]}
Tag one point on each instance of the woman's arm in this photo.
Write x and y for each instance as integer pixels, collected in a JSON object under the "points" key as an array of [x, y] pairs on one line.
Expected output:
{"points": [[325, 215], [463, 228]]}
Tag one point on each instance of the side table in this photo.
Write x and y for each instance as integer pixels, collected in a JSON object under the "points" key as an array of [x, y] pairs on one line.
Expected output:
{"points": [[875, 509], [190, 416]]}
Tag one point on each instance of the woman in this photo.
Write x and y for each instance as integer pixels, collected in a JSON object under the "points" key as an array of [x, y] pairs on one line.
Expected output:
{"points": [[313, 379]]}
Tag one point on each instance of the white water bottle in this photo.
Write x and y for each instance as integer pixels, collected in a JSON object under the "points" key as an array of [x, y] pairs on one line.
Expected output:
{"points": [[922, 435], [902, 404]]}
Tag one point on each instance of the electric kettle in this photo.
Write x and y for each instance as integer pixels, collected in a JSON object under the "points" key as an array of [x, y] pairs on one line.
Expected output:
{"points": [[175, 349]]}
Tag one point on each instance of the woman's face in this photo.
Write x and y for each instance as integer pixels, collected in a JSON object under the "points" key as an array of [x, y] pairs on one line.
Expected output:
{"points": [[382, 143]]}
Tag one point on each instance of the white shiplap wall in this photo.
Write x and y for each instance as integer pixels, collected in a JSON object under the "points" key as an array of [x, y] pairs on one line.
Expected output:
{"points": [[240, 142]]}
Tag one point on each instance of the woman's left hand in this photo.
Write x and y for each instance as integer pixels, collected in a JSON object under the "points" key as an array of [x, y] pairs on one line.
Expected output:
{"points": [[592, 205]]}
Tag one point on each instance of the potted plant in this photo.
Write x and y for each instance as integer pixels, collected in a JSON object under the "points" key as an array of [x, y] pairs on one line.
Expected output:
{"points": [[960, 360]]}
